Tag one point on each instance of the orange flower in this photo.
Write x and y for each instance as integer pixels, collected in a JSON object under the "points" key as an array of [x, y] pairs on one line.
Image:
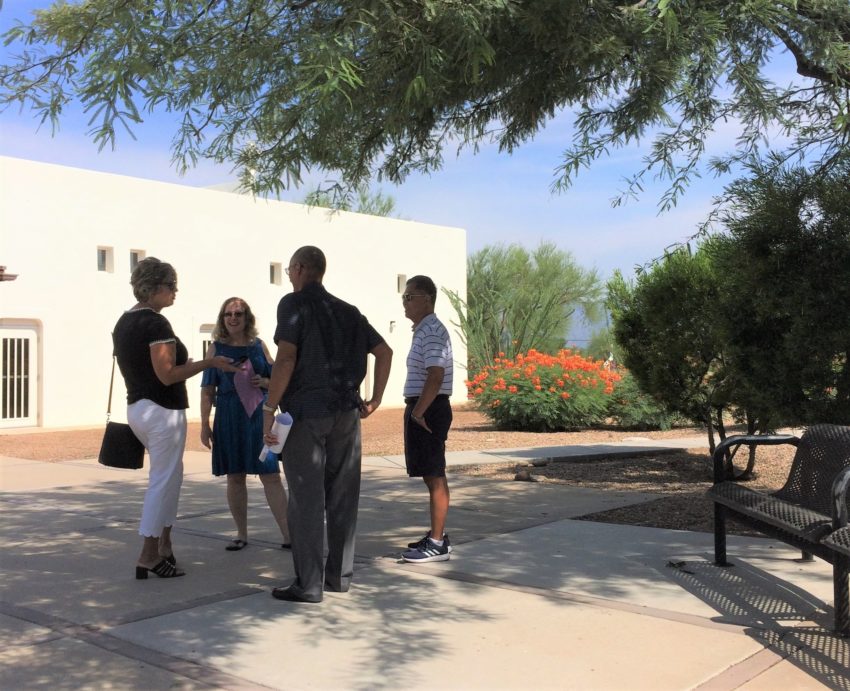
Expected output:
{"points": [[512, 389], [565, 395]]}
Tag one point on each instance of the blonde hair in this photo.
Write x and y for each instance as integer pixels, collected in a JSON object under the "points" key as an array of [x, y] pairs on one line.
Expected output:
{"points": [[220, 332]]}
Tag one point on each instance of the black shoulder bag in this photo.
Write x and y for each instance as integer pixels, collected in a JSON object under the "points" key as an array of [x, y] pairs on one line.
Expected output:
{"points": [[120, 448]]}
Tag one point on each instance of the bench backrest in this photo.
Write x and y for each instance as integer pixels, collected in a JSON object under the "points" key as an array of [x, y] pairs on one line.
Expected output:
{"points": [[823, 451]]}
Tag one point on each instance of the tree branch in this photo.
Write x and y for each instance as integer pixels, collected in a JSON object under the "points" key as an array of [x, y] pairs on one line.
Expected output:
{"points": [[805, 67]]}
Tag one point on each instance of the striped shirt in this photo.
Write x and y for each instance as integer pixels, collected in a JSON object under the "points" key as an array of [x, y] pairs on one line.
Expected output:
{"points": [[431, 347]]}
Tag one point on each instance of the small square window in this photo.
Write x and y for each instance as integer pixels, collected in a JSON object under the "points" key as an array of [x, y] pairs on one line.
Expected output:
{"points": [[104, 259], [135, 257], [275, 273], [401, 283]]}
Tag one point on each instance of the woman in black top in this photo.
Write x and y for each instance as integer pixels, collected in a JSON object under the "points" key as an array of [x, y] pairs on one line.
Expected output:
{"points": [[155, 367]]}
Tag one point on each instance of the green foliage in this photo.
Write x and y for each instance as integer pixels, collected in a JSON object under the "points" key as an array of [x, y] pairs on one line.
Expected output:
{"points": [[374, 87], [665, 326], [785, 321], [518, 301], [602, 345], [362, 200], [755, 322], [631, 408], [535, 392]]}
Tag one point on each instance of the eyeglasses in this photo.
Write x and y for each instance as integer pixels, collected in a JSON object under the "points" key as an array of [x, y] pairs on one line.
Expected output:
{"points": [[407, 297], [290, 268], [235, 315]]}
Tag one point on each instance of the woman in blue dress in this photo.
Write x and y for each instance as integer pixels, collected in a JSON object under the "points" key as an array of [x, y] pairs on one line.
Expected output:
{"points": [[236, 437]]}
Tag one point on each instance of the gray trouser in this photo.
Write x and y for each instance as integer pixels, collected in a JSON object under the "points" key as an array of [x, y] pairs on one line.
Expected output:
{"points": [[321, 460]]}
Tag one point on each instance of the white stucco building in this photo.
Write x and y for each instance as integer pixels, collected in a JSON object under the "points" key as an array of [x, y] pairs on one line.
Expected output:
{"points": [[71, 237]]}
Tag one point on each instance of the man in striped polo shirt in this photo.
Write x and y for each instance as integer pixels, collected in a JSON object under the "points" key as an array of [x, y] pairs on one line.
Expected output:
{"points": [[428, 413]]}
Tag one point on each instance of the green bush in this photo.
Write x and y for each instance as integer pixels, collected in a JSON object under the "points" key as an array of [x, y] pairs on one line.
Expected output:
{"points": [[630, 408]]}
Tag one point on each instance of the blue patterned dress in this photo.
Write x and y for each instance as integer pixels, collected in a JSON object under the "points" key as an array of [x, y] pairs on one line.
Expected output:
{"points": [[237, 437]]}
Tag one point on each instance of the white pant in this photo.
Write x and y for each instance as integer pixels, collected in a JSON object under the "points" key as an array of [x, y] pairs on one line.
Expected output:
{"points": [[163, 432]]}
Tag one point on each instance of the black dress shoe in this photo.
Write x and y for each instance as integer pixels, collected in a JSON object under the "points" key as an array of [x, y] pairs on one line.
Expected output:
{"points": [[334, 589], [288, 595]]}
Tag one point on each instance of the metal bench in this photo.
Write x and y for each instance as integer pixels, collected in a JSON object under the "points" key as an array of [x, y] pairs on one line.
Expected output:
{"points": [[839, 541], [809, 512]]}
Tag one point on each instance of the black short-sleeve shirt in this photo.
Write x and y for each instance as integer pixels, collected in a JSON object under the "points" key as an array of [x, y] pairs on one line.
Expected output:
{"points": [[134, 334], [333, 340]]}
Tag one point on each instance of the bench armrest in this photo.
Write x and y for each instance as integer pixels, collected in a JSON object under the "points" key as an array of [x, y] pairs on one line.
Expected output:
{"points": [[840, 486], [748, 440]]}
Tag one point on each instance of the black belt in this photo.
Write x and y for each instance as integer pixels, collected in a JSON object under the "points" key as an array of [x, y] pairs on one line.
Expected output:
{"points": [[411, 400]]}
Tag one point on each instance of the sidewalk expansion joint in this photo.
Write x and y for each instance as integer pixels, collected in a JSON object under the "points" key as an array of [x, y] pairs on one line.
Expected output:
{"points": [[434, 571], [96, 635]]}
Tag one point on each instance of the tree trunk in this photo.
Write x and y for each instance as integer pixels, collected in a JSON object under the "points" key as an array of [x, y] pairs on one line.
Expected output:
{"points": [[710, 427], [721, 433], [751, 460]]}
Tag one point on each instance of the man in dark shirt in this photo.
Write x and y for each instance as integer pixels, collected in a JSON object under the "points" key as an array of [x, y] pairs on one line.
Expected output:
{"points": [[322, 347]]}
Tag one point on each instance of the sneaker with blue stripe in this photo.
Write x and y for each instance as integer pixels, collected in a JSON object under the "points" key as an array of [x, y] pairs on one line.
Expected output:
{"points": [[428, 550]]}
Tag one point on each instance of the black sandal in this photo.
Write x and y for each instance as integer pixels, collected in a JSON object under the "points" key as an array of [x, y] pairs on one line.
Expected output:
{"points": [[164, 569], [236, 545]]}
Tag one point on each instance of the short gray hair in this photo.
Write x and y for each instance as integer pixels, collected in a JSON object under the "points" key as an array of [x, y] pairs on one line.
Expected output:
{"points": [[149, 275]]}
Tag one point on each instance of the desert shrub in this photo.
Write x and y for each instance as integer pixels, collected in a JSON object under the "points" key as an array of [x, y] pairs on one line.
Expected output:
{"points": [[536, 392], [631, 408]]}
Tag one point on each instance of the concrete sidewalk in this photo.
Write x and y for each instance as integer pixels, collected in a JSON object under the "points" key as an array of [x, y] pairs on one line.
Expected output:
{"points": [[531, 599]]}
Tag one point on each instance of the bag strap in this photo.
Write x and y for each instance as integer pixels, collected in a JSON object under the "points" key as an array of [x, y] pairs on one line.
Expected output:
{"points": [[111, 382]]}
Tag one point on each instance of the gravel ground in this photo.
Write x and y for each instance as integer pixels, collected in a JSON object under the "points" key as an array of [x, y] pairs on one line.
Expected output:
{"points": [[682, 477]]}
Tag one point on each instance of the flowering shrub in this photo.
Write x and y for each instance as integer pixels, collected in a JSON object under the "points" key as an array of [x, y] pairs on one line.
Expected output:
{"points": [[536, 392]]}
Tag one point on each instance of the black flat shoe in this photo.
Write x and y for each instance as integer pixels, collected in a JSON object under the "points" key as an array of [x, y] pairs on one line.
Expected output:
{"points": [[236, 545], [288, 595], [164, 569]]}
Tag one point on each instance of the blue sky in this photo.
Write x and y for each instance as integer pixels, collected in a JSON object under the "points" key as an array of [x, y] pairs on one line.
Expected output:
{"points": [[497, 198]]}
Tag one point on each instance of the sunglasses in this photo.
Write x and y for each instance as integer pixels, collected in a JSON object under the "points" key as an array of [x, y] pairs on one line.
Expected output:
{"points": [[235, 315], [407, 297]]}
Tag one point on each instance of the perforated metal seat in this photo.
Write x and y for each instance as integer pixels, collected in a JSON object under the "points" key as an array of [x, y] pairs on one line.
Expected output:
{"points": [[839, 541], [797, 520], [809, 512]]}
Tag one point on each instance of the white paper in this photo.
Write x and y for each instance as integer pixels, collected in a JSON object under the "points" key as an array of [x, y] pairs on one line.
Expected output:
{"points": [[280, 428]]}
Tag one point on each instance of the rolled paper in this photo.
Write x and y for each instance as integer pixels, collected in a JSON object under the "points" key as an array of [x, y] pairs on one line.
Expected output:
{"points": [[280, 429]]}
